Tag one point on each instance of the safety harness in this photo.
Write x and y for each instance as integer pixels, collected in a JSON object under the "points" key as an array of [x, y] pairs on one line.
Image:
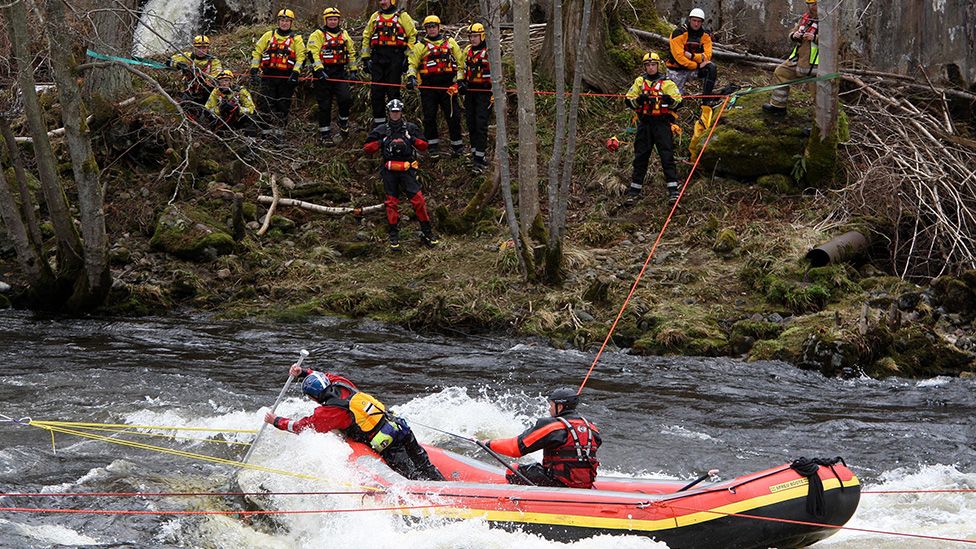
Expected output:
{"points": [[438, 58], [195, 83], [333, 50], [279, 55], [477, 70], [653, 88], [574, 463], [807, 25], [387, 31], [369, 417]]}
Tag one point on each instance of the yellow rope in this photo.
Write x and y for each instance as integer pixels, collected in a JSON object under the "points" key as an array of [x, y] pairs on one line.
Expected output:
{"points": [[127, 426], [54, 427], [170, 436]]}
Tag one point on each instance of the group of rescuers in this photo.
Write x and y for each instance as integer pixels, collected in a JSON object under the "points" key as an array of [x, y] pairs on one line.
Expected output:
{"points": [[568, 441], [437, 65]]}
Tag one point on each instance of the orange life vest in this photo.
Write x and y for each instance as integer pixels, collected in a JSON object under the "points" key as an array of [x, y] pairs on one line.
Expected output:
{"points": [[334, 50], [279, 55], [387, 31], [438, 59], [653, 107], [477, 70]]}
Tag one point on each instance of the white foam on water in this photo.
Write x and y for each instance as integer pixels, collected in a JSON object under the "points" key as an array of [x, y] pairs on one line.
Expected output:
{"points": [[172, 22], [49, 533], [682, 432], [948, 515]]}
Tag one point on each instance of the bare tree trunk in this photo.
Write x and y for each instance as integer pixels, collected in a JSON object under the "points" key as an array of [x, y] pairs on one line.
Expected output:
{"points": [[113, 28], [70, 262], [528, 151], [559, 60], [559, 215], [827, 90], [492, 7], [26, 201], [91, 204], [29, 251], [599, 71]]}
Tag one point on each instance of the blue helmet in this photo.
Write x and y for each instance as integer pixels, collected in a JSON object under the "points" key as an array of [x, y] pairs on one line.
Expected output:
{"points": [[315, 386]]}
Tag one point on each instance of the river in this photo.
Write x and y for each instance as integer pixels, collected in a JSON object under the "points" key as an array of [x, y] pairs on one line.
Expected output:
{"points": [[673, 417]]}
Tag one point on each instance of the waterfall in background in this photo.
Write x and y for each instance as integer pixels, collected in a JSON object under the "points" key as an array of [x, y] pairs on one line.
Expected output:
{"points": [[173, 23]]}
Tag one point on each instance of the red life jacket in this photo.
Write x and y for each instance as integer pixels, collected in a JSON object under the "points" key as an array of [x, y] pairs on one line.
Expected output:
{"points": [[387, 31], [195, 83], [574, 463], [477, 70], [334, 50], [653, 107], [279, 55], [438, 59]]}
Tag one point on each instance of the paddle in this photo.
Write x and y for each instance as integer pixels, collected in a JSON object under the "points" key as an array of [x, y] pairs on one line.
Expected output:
{"points": [[484, 447], [711, 472], [301, 358]]}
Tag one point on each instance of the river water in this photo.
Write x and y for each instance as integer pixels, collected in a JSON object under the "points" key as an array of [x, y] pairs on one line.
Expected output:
{"points": [[669, 417]]}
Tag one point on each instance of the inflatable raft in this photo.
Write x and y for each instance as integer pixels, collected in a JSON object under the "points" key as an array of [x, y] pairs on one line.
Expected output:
{"points": [[793, 505]]}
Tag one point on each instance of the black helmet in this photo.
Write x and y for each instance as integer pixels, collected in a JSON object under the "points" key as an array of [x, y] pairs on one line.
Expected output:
{"points": [[565, 396]]}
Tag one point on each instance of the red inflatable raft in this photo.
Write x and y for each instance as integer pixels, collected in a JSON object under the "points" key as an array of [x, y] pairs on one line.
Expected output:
{"points": [[778, 507]]}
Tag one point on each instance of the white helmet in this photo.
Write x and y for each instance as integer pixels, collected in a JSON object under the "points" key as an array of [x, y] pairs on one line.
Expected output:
{"points": [[697, 12]]}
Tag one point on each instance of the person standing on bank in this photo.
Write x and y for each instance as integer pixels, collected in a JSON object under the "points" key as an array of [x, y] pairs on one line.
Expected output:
{"points": [[333, 57], [438, 61], [476, 89], [389, 36], [568, 442], [278, 56], [654, 98]]}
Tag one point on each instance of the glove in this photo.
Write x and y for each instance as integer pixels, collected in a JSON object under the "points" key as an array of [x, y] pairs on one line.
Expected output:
{"points": [[355, 75], [462, 87], [319, 74], [642, 99], [293, 79], [368, 64], [613, 144], [411, 83], [666, 102]]}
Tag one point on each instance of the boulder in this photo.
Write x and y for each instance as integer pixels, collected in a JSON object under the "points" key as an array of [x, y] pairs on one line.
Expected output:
{"points": [[190, 234]]}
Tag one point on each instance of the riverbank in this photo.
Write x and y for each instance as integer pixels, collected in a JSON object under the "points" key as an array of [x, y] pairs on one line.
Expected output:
{"points": [[728, 278]]}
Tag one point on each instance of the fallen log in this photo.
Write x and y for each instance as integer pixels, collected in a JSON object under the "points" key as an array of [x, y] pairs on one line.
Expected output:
{"points": [[60, 131], [331, 210]]}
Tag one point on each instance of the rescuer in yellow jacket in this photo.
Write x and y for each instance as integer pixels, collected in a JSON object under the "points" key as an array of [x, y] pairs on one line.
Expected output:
{"points": [[476, 87], [333, 58], [654, 98], [278, 55], [801, 63], [199, 69], [387, 39], [690, 55], [439, 62], [231, 106]]}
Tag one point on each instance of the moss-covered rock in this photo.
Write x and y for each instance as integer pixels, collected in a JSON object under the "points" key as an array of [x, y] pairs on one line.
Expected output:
{"points": [[190, 234], [681, 330], [725, 243], [777, 183], [353, 249], [758, 329], [158, 104], [957, 295]]}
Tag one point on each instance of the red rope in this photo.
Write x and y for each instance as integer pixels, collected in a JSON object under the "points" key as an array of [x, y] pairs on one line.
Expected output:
{"points": [[660, 235], [180, 494], [258, 512], [822, 525]]}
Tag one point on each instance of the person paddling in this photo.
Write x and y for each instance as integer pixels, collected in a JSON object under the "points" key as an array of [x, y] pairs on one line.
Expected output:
{"points": [[568, 442], [362, 418]]}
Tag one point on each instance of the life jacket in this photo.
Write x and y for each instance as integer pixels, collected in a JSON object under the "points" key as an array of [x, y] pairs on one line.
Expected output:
{"points": [[279, 55], [438, 58], [477, 70], [574, 463], [334, 50], [196, 82], [807, 24], [653, 107], [387, 31], [369, 418]]}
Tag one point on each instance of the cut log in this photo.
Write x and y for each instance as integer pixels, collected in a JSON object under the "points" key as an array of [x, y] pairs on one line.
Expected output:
{"points": [[331, 210]]}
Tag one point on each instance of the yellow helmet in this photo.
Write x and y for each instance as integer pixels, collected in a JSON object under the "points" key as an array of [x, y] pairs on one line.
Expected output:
{"points": [[477, 28], [432, 20], [201, 40], [286, 13], [811, 1], [651, 57], [226, 73], [331, 12]]}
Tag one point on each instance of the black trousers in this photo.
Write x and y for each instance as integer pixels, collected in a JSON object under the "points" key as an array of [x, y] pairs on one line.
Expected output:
{"points": [[276, 94], [536, 473], [408, 457], [432, 101], [653, 131], [477, 114], [388, 66], [326, 91]]}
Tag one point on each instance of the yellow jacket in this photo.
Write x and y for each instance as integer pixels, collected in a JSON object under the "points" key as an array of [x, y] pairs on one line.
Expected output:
{"points": [[647, 85], [409, 36], [262, 58], [419, 58], [317, 39], [240, 95], [209, 66], [682, 39]]}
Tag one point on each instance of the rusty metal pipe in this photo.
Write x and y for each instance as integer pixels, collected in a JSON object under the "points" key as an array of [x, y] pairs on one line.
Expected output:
{"points": [[838, 249]]}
